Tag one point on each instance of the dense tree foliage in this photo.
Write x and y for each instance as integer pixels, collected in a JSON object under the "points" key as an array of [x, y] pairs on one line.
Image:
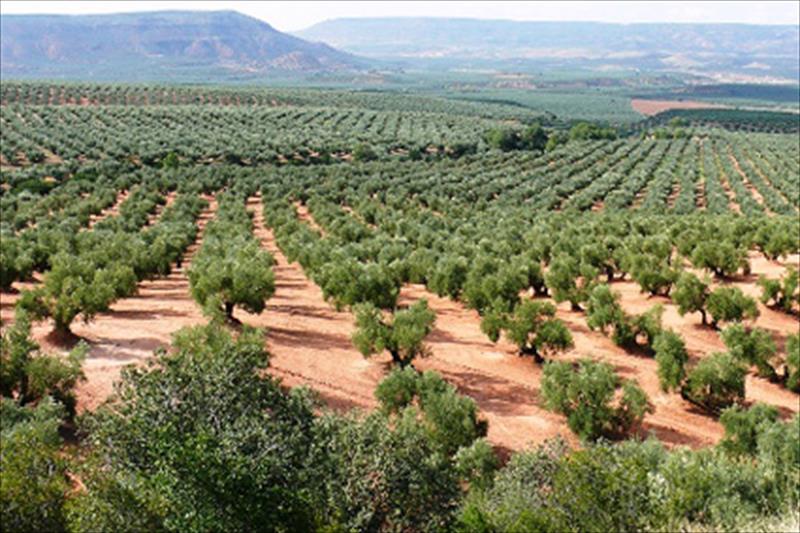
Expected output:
{"points": [[753, 347], [230, 268], [729, 304], [671, 356], [690, 295], [716, 382], [585, 395], [532, 326], [403, 336]]}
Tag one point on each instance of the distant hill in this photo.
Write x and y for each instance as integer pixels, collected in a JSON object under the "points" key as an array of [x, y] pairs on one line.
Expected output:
{"points": [[747, 50], [177, 45]]}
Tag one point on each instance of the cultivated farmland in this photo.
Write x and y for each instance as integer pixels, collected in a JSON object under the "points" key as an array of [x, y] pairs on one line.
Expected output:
{"points": [[494, 248]]}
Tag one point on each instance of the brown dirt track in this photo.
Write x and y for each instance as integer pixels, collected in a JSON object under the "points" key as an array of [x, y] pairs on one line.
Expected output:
{"points": [[310, 345]]}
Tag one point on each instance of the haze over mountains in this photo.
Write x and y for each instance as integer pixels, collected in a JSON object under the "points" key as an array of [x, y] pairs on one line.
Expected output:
{"points": [[221, 46], [154, 45], [762, 51]]}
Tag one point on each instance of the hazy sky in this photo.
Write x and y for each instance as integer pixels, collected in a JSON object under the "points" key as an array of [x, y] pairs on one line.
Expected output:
{"points": [[292, 16]]}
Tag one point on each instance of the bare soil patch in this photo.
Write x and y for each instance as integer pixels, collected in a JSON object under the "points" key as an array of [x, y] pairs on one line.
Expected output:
{"points": [[654, 107]]}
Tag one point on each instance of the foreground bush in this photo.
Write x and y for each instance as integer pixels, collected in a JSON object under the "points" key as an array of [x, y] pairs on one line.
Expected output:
{"points": [[28, 376], [229, 450], [235, 451], [33, 483], [642, 486]]}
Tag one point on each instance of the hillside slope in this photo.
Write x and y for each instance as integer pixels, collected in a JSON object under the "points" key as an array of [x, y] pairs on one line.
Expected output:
{"points": [[156, 45], [763, 51]]}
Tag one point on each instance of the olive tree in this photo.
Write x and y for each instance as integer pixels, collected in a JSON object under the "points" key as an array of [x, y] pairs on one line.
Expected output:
{"points": [[691, 294], [532, 327], [586, 393], [671, 356], [569, 280], [604, 311], [716, 382], [230, 273], [449, 276], [653, 275], [603, 308], [723, 258], [16, 262], [729, 304], [75, 286], [753, 347], [403, 336]]}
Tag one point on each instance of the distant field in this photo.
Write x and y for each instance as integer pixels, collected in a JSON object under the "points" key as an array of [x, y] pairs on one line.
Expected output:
{"points": [[565, 105], [654, 107]]}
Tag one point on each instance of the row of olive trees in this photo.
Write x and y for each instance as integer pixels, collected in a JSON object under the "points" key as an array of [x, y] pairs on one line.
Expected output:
{"points": [[231, 269], [106, 265]]}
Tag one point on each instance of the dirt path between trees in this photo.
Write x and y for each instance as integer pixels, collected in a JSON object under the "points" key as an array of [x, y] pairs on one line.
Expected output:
{"points": [[309, 341]]}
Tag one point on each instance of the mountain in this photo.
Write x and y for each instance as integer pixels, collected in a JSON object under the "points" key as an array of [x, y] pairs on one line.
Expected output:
{"points": [[157, 45], [765, 51]]}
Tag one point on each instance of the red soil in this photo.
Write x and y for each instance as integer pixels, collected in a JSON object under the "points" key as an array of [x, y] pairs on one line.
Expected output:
{"points": [[654, 107], [309, 342]]}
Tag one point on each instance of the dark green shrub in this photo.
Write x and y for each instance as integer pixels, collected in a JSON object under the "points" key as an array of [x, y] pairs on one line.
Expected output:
{"points": [[743, 427], [32, 468]]}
